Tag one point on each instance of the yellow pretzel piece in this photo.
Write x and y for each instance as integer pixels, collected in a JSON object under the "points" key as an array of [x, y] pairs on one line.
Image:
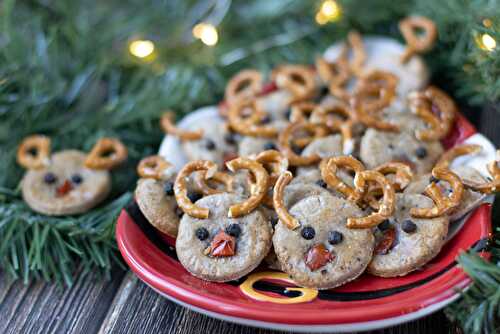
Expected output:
{"points": [[180, 187], [426, 105], [298, 79], [245, 84], [219, 177], [336, 73], [286, 137], [376, 90], [329, 174], [307, 294], [455, 152], [249, 126], [371, 120], [258, 191], [492, 186], [34, 152], [153, 167], [279, 205], [167, 125], [442, 204], [417, 43], [387, 205], [106, 154], [276, 164]]}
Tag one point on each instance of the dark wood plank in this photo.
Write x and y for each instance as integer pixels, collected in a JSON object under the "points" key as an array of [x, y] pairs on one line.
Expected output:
{"points": [[40, 307]]}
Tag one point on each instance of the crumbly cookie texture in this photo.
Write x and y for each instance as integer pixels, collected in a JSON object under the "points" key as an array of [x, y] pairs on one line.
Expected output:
{"points": [[410, 251], [158, 204], [325, 214], [79, 197], [251, 246]]}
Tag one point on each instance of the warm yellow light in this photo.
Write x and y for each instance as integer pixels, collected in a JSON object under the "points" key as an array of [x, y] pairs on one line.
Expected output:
{"points": [[141, 48], [329, 11], [487, 23], [488, 42], [207, 33]]}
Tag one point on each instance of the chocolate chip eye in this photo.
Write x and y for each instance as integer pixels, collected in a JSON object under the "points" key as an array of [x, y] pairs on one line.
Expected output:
{"points": [[233, 230], [49, 178], [168, 188], [321, 183], [201, 233], [408, 226], [335, 237], [193, 197], [210, 144], [230, 138], [296, 149], [76, 178], [269, 146], [385, 225], [308, 233], [421, 152]]}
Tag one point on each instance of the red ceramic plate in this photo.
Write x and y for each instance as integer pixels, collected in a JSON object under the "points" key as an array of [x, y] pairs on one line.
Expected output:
{"points": [[366, 303]]}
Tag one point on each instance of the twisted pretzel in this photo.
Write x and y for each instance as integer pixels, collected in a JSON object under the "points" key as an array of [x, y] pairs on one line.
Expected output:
{"points": [[244, 85], [106, 154], [167, 125], [153, 167], [258, 191], [376, 90], [455, 152], [219, 177], [369, 119], [298, 79], [286, 137], [34, 152], [437, 109], [329, 174], [323, 115], [417, 43], [402, 177], [249, 126], [279, 205], [334, 74], [442, 204], [492, 186], [180, 187], [387, 205], [301, 111], [276, 164]]}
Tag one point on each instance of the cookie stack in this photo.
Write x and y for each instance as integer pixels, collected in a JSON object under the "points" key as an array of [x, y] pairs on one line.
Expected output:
{"points": [[323, 172]]}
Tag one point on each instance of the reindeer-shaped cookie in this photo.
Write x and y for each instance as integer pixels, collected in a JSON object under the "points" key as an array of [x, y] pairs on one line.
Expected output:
{"points": [[68, 182]]}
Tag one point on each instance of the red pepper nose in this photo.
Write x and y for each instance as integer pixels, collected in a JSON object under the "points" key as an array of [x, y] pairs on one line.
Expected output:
{"points": [[64, 188], [223, 245], [318, 256]]}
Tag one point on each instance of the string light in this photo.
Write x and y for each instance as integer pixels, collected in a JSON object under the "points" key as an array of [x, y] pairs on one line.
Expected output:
{"points": [[488, 42], [141, 48], [329, 11], [207, 33]]}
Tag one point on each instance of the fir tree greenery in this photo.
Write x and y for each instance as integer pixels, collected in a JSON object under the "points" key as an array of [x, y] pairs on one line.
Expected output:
{"points": [[65, 71]]}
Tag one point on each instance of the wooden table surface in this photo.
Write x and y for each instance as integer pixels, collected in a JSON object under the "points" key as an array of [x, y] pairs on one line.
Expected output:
{"points": [[124, 304]]}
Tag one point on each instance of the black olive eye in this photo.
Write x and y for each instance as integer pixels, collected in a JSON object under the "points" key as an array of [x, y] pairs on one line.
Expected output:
{"points": [[335, 237], [168, 188], [308, 233], [408, 226], [193, 197], [385, 225], [321, 183], [201, 233], [233, 230], [421, 152], [269, 146], [230, 138], [76, 178], [210, 144], [49, 178]]}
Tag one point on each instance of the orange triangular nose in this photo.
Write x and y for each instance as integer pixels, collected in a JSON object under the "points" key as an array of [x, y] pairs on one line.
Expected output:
{"points": [[223, 245], [317, 257]]}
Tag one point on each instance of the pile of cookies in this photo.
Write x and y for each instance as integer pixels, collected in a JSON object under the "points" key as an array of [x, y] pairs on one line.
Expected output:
{"points": [[326, 172]]}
